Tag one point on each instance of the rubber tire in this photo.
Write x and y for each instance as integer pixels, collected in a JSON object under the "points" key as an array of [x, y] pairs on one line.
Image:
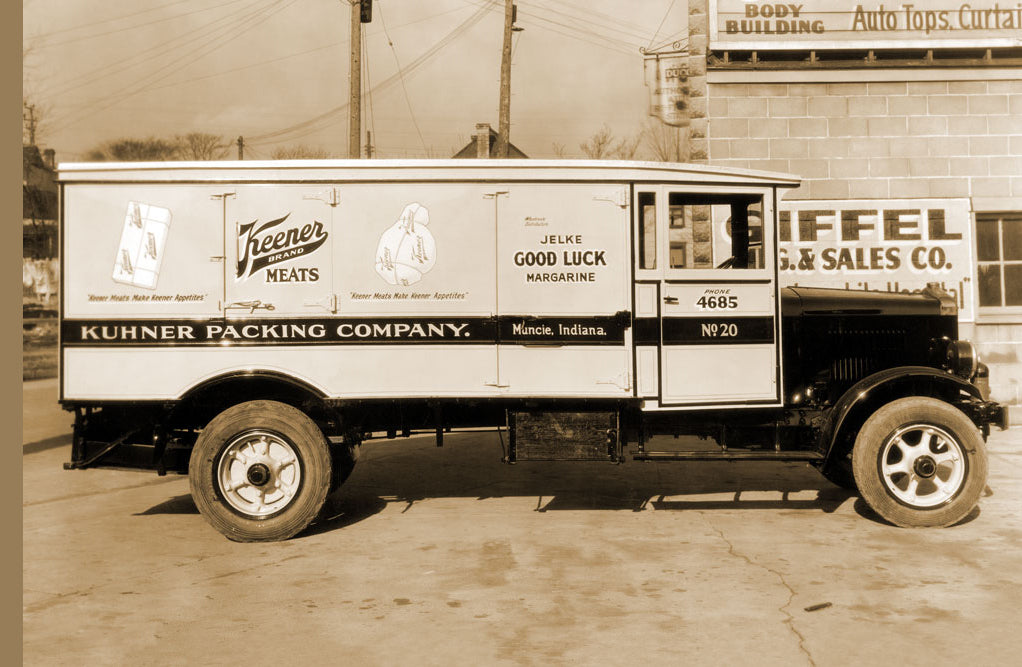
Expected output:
{"points": [[915, 410], [840, 473], [305, 437]]}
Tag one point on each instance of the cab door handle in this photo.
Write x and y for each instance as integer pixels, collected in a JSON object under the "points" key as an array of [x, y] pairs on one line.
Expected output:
{"points": [[671, 300]]}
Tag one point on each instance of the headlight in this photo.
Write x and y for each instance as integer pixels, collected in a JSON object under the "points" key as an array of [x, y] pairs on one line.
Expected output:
{"points": [[962, 359]]}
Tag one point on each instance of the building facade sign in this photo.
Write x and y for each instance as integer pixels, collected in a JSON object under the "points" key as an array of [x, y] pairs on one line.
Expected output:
{"points": [[891, 245], [844, 24]]}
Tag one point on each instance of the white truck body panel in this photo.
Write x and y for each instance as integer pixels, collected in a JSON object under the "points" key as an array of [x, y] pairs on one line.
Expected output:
{"points": [[391, 279]]}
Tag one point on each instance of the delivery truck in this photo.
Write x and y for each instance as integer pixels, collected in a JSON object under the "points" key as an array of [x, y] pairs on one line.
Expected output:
{"points": [[253, 324]]}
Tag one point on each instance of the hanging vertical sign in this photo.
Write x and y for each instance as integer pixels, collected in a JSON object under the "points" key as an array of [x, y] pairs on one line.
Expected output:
{"points": [[666, 76]]}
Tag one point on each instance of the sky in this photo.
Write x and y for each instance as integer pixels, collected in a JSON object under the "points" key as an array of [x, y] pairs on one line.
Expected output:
{"points": [[276, 71]]}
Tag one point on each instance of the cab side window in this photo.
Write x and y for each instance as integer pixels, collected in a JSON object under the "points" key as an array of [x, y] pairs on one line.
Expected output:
{"points": [[708, 231]]}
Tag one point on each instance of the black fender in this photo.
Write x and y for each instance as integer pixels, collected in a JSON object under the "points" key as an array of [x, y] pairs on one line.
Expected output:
{"points": [[232, 387], [862, 392]]}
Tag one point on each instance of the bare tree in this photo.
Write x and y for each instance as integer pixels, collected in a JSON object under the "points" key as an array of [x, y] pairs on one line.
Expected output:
{"points": [[135, 150], [299, 152], [598, 146], [666, 142], [626, 148], [202, 146], [558, 150]]}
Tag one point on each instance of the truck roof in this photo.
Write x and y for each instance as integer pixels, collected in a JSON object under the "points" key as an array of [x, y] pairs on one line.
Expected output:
{"points": [[334, 171]]}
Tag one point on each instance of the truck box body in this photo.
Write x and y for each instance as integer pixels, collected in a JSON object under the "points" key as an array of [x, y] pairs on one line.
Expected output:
{"points": [[378, 280]]}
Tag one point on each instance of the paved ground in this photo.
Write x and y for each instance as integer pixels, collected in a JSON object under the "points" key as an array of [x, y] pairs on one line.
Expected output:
{"points": [[446, 556]]}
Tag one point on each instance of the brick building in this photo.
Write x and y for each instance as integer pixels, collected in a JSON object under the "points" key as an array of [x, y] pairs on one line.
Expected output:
{"points": [[906, 127]]}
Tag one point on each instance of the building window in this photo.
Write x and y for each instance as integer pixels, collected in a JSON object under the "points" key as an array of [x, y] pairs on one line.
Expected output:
{"points": [[999, 257]]}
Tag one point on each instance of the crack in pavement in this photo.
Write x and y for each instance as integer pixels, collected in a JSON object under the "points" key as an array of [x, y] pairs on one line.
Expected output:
{"points": [[789, 619], [85, 494]]}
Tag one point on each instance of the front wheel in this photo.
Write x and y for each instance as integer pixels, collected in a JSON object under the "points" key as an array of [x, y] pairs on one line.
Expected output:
{"points": [[260, 471], [920, 462]]}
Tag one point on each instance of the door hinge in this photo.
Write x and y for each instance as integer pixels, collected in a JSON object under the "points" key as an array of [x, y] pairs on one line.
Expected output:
{"points": [[329, 302], [250, 306], [619, 198], [330, 196]]}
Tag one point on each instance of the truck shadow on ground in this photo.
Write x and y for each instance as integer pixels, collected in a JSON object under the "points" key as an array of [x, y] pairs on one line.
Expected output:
{"points": [[410, 471], [468, 466]]}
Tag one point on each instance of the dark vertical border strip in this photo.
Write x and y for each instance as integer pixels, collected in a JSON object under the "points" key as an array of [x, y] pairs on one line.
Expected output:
{"points": [[632, 284], [660, 345], [778, 343], [62, 289]]}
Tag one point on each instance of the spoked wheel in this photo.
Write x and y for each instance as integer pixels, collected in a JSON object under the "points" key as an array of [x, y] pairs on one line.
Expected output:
{"points": [[920, 462], [922, 465], [260, 471]]}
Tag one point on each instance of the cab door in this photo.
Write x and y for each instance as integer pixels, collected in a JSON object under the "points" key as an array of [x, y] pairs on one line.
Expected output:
{"points": [[706, 283]]}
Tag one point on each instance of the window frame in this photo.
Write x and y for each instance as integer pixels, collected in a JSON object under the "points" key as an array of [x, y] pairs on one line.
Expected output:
{"points": [[1002, 312], [662, 192]]}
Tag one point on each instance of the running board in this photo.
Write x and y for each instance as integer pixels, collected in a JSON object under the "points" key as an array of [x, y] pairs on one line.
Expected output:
{"points": [[727, 456]]}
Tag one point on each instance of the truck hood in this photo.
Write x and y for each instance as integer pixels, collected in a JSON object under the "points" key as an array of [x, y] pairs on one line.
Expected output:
{"points": [[796, 301]]}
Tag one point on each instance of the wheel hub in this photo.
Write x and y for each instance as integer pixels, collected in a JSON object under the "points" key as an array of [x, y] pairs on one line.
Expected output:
{"points": [[925, 466], [922, 465], [259, 473]]}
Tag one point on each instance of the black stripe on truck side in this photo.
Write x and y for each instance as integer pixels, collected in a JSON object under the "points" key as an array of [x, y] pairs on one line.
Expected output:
{"points": [[699, 330], [514, 330]]}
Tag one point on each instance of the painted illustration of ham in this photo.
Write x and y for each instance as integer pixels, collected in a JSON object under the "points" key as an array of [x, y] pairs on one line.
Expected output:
{"points": [[406, 250]]}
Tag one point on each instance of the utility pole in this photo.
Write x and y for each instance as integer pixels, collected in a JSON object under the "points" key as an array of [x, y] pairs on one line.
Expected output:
{"points": [[504, 127], [31, 120], [369, 144], [241, 147], [355, 82]]}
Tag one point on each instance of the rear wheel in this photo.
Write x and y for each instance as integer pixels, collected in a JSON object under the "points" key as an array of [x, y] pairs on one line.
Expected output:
{"points": [[920, 462], [260, 471]]}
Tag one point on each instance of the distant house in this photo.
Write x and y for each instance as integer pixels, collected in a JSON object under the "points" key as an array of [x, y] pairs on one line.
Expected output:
{"points": [[39, 203], [484, 148]]}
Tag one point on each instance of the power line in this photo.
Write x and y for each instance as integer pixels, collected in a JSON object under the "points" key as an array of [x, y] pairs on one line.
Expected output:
{"points": [[601, 44], [216, 34], [613, 20], [133, 27], [325, 119], [248, 23], [400, 73], [586, 35], [156, 51], [583, 19], [296, 55], [45, 35], [669, 8]]}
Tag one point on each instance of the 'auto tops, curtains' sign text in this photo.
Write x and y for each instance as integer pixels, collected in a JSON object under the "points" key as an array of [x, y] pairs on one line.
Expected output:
{"points": [[846, 24]]}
